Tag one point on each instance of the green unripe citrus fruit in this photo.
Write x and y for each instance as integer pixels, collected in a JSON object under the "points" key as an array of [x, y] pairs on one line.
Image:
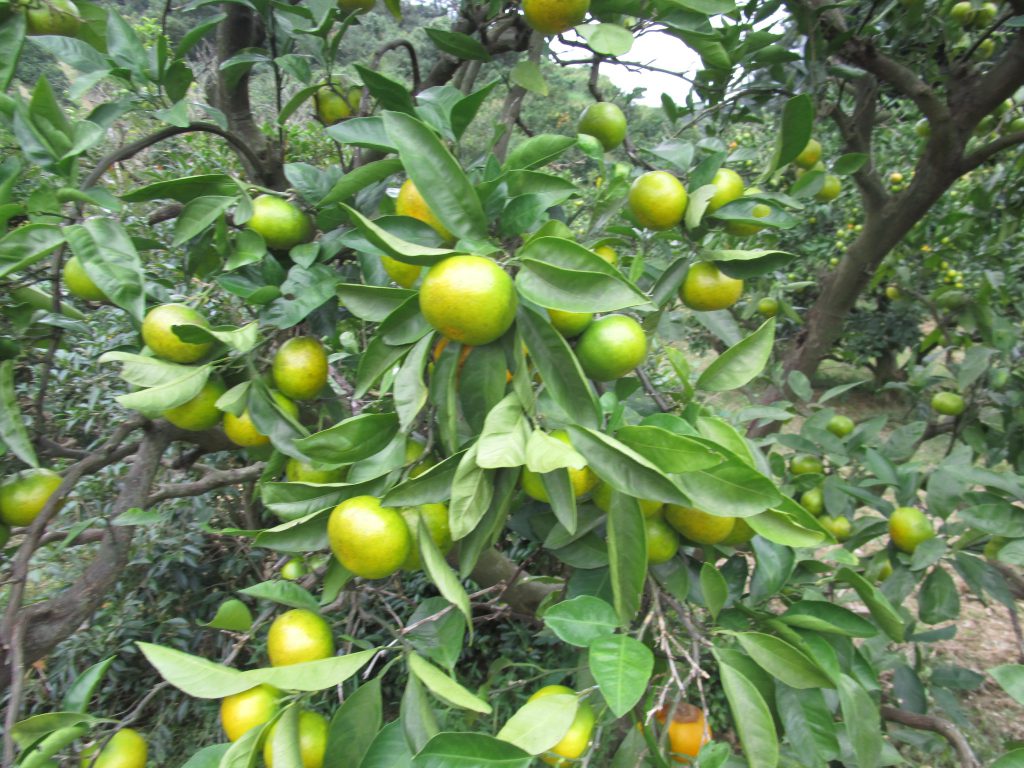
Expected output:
{"points": [[728, 187], [200, 413], [24, 494], [78, 282], [403, 274], [768, 307], [570, 324], [605, 122], [334, 103], [577, 739], [244, 711], [312, 740], [52, 17], [411, 203], [699, 526], [810, 155], [813, 501], [948, 403], [552, 17], [302, 472], [370, 540], [126, 749], [840, 425], [602, 497], [582, 480], [658, 200], [908, 528], [282, 224], [611, 347], [435, 517], [706, 288], [608, 253], [806, 465], [297, 636], [840, 527], [830, 190], [468, 299], [242, 430], [300, 368], [662, 540], [159, 336]]}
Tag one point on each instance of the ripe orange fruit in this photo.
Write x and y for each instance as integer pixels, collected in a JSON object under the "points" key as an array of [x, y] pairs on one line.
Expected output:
{"points": [[403, 274], [706, 288], [24, 494], [608, 253], [53, 17], [159, 336], [570, 324], [297, 636], [688, 731], [244, 711], [78, 282], [948, 403], [312, 740], [469, 299], [300, 368], [728, 187], [242, 431], [370, 540], [611, 347], [200, 413], [126, 749], [303, 472], [435, 516], [908, 527], [577, 738], [830, 191], [810, 155], [582, 480], [605, 122], [411, 203], [552, 17], [699, 526], [658, 200], [282, 224], [335, 102], [662, 540], [602, 497]]}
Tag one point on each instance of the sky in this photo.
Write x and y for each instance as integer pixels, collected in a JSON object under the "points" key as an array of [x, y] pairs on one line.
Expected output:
{"points": [[654, 48]]}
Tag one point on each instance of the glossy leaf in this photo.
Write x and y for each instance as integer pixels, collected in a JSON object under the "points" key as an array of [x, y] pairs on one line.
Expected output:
{"points": [[783, 661], [797, 124], [823, 616], [26, 245], [863, 722], [752, 717], [109, 257], [444, 687], [282, 592], [622, 667], [581, 620], [1011, 678], [351, 440], [741, 363], [540, 724], [13, 432], [354, 725], [714, 589], [470, 750], [232, 615], [625, 470]]}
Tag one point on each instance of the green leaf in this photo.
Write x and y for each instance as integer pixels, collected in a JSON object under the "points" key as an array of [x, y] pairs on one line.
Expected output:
{"points": [[863, 721], [731, 489], [881, 609], [808, 724], [472, 490], [714, 588], [12, 38], [938, 600], [558, 367], [581, 620], [470, 750], [560, 274], [395, 247], [444, 687], [1012, 759], [389, 748], [741, 363], [199, 215], [849, 164], [28, 244], [311, 675], [419, 722], [359, 178], [437, 176], [622, 668], [458, 45], [538, 151], [751, 263], [232, 615], [410, 390], [195, 676], [781, 527], [351, 440], [282, 592], [185, 189], [154, 401], [528, 75], [208, 757], [752, 717], [783, 661], [797, 124], [354, 725], [627, 555], [389, 94], [670, 452], [541, 724], [607, 39], [370, 302], [13, 433], [823, 616], [109, 257], [1011, 678], [503, 439], [78, 694], [444, 578]]}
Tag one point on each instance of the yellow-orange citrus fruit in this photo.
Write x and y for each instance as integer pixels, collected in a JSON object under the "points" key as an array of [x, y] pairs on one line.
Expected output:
{"points": [[908, 528], [403, 274], [52, 17], [810, 155], [370, 540], [602, 497], [200, 413], [699, 526], [662, 540], [300, 368], [570, 324], [741, 534], [78, 282], [414, 448], [658, 200], [293, 569], [297, 636], [582, 480], [469, 299], [605, 122], [411, 203], [577, 739], [728, 187], [24, 494], [312, 740], [242, 431], [435, 517], [611, 347], [159, 336], [552, 17], [608, 253], [126, 749], [768, 307], [303, 472], [840, 527], [334, 103], [244, 711], [282, 224], [831, 189], [706, 288], [688, 731]]}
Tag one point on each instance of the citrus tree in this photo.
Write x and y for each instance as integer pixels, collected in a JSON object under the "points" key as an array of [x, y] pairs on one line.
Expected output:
{"points": [[428, 369]]}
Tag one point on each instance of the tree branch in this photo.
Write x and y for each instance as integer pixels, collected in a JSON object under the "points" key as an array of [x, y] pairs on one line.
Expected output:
{"points": [[936, 725], [990, 150], [520, 594], [413, 59], [214, 479]]}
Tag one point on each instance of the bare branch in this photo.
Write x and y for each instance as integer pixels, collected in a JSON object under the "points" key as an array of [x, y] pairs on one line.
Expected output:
{"points": [[990, 150], [212, 480], [936, 725], [414, 61]]}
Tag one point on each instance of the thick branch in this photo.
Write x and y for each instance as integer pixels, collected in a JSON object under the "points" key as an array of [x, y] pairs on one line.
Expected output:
{"points": [[990, 150], [521, 595], [413, 59], [936, 725], [212, 480]]}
